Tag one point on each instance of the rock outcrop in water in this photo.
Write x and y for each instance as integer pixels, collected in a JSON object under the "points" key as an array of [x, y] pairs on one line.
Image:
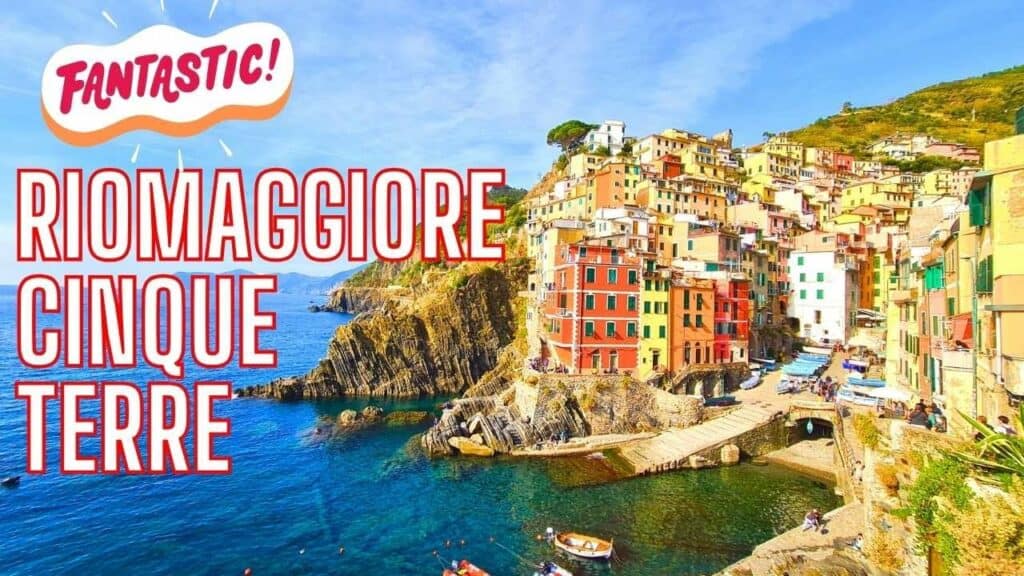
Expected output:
{"points": [[439, 343]]}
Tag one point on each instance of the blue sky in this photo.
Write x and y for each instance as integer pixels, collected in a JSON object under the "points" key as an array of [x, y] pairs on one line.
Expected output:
{"points": [[458, 84]]}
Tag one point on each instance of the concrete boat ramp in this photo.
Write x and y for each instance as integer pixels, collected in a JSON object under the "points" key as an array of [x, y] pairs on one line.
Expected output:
{"points": [[756, 429]]}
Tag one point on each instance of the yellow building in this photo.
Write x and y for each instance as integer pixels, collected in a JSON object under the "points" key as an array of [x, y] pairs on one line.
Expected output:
{"points": [[654, 320], [996, 215]]}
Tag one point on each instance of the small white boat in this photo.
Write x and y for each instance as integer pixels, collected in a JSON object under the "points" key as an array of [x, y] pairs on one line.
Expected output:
{"points": [[584, 546]]}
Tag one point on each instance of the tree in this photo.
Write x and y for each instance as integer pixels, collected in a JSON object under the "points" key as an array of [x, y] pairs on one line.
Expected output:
{"points": [[568, 135], [627, 149], [602, 151], [847, 107], [768, 135]]}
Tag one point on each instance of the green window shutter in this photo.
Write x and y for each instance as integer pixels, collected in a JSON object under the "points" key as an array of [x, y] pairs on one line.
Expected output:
{"points": [[700, 321], [689, 245], [803, 294], [799, 260], [583, 252], [613, 276], [686, 320], [821, 276], [632, 276], [631, 329], [589, 299], [647, 331], [950, 306], [647, 307], [588, 328], [631, 303], [647, 285], [611, 302], [935, 325], [661, 331], [803, 277], [609, 329], [591, 274], [821, 294], [700, 301]]}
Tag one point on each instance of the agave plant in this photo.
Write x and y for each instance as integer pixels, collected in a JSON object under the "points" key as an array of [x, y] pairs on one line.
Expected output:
{"points": [[995, 451]]}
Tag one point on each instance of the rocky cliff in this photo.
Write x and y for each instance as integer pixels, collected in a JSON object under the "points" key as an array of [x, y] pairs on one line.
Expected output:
{"points": [[440, 341], [538, 409]]}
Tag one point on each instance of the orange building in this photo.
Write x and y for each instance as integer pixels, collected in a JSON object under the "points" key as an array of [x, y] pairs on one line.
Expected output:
{"points": [[732, 319], [592, 313], [691, 326]]}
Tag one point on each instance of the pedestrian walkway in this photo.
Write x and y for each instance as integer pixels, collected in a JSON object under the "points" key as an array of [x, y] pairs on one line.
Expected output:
{"points": [[672, 448]]}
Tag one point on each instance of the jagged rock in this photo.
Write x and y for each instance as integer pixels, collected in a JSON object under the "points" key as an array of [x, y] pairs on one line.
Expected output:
{"points": [[467, 447], [560, 407], [372, 413], [443, 344], [348, 418]]}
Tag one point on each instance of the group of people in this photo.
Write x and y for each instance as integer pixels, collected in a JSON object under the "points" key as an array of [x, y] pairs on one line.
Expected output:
{"points": [[825, 388], [1002, 426], [812, 521], [930, 417]]}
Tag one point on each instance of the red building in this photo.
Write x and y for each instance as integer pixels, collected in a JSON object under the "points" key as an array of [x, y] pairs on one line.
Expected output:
{"points": [[732, 319], [593, 314]]}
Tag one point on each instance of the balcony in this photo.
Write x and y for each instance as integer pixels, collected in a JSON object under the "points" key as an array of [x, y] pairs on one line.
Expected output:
{"points": [[957, 359]]}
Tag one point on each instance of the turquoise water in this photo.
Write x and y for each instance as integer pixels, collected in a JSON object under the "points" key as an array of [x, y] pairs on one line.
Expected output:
{"points": [[290, 503]]}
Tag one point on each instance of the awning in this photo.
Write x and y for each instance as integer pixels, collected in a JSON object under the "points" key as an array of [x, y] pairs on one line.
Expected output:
{"points": [[962, 332]]}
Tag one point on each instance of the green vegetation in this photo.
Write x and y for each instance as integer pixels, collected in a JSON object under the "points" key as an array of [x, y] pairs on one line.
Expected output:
{"points": [[998, 453], [971, 111], [939, 489], [568, 135], [867, 431], [924, 164]]}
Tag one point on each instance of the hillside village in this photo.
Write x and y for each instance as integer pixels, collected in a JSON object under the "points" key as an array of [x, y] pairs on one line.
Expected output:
{"points": [[661, 254]]}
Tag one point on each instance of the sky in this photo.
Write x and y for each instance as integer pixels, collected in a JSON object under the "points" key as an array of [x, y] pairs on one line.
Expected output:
{"points": [[462, 84]]}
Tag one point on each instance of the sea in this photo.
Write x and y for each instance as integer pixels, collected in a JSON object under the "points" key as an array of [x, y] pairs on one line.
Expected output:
{"points": [[291, 503]]}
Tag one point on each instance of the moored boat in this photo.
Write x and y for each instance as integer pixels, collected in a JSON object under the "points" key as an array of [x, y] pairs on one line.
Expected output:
{"points": [[584, 546], [465, 568]]}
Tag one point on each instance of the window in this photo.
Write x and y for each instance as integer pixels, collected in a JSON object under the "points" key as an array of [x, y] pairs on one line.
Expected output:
{"points": [[609, 329], [661, 331], [686, 320], [817, 316], [589, 300], [631, 329], [588, 328], [821, 294], [631, 303], [613, 275], [935, 325], [611, 302], [803, 277], [632, 277], [563, 300], [647, 285], [803, 294], [799, 260], [647, 331], [700, 321], [591, 274], [983, 283], [950, 306], [821, 276], [700, 301], [689, 245], [686, 299], [647, 307], [583, 251]]}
